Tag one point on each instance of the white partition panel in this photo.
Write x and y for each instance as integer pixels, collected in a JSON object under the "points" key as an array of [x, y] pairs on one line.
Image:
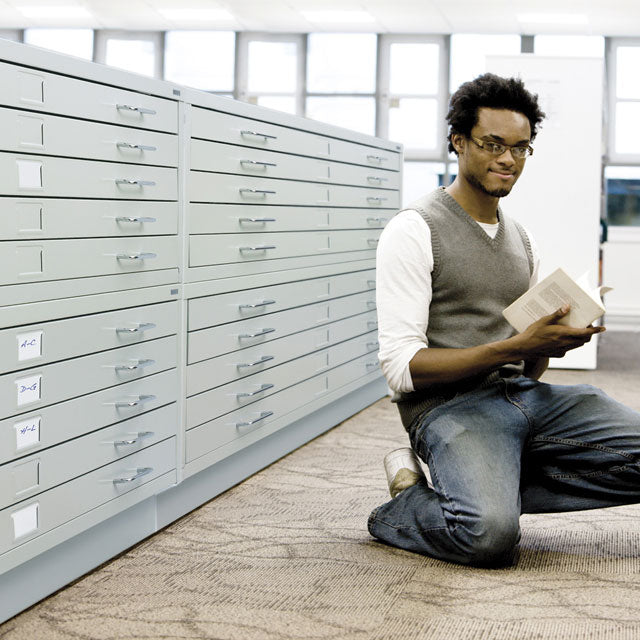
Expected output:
{"points": [[558, 195]]}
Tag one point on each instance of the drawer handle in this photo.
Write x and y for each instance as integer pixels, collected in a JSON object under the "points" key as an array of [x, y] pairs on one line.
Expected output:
{"points": [[135, 403], [136, 182], [136, 256], [264, 303], [371, 284], [140, 364], [371, 304], [242, 220], [257, 134], [259, 192], [255, 335], [141, 110], [263, 247], [140, 436], [250, 394], [138, 474], [378, 159], [257, 163], [376, 199], [132, 145], [376, 179], [246, 365], [372, 324], [370, 365], [142, 326], [373, 345], [372, 241], [139, 219], [376, 220], [248, 423]]}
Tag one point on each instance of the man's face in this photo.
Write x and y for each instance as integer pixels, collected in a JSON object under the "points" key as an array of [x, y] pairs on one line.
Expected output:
{"points": [[491, 174]]}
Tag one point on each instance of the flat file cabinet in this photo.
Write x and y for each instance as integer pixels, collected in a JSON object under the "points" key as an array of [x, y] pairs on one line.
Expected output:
{"points": [[187, 294]]}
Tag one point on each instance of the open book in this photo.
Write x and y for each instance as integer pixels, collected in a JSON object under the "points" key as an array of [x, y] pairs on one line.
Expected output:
{"points": [[553, 292]]}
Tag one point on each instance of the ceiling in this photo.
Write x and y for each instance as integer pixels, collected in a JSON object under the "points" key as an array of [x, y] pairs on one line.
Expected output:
{"points": [[589, 17]]}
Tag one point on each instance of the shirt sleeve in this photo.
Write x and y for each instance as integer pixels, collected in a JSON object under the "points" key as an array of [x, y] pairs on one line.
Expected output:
{"points": [[404, 263]]}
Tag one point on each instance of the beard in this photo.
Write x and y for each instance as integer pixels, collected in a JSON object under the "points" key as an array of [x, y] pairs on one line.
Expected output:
{"points": [[474, 181]]}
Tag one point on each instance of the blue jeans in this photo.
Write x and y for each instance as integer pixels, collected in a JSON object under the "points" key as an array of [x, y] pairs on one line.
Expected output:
{"points": [[517, 446]]}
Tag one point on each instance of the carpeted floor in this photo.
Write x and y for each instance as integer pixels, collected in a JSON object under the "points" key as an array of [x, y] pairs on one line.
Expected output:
{"points": [[286, 554]]}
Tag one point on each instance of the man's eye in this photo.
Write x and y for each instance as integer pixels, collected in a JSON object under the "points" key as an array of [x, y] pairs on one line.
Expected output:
{"points": [[495, 148]]}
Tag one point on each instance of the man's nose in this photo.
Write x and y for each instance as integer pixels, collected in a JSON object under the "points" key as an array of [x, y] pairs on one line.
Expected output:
{"points": [[506, 157]]}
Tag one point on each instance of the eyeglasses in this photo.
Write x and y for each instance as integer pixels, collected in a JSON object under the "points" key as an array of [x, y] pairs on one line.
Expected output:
{"points": [[497, 148]]}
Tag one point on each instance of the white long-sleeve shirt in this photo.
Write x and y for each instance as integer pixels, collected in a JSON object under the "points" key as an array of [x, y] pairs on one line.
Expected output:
{"points": [[403, 292]]}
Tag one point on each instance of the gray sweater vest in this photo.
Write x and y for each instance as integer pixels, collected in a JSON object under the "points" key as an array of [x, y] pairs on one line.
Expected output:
{"points": [[474, 278]]}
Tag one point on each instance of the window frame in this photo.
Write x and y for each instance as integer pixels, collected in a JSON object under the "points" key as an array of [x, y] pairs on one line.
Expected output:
{"points": [[241, 77], [102, 36], [612, 157], [384, 97]]}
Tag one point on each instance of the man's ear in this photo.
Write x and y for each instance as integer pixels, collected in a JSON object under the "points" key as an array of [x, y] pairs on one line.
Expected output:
{"points": [[457, 140]]}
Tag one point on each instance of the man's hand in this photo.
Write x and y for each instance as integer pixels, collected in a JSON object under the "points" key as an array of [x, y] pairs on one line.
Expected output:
{"points": [[548, 339]]}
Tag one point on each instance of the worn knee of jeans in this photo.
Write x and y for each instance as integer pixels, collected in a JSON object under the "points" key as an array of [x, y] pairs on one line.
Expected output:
{"points": [[491, 539]]}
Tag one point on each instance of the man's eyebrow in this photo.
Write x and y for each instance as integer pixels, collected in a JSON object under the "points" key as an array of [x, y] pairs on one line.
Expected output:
{"points": [[493, 136]]}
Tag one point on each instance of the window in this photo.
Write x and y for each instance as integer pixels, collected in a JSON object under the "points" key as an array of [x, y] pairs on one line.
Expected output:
{"points": [[74, 42], [136, 51], [200, 59], [270, 70], [412, 94], [419, 178], [341, 80], [622, 190], [469, 54], [590, 46], [624, 101]]}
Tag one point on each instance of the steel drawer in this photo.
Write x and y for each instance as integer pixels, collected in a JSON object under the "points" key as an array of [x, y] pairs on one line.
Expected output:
{"points": [[241, 423], [214, 372], [28, 132], [47, 218], [35, 516], [46, 342], [225, 338], [233, 189], [224, 127], [48, 177], [216, 402], [46, 469], [209, 311], [238, 218], [205, 250], [34, 261], [227, 158], [22, 391], [41, 91], [48, 426]]}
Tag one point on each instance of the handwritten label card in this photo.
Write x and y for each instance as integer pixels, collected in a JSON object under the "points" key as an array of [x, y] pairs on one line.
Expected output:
{"points": [[29, 174], [27, 432], [25, 521], [28, 389], [29, 345]]}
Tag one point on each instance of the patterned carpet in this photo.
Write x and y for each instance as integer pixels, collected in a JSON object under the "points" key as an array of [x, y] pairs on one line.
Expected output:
{"points": [[286, 554]]}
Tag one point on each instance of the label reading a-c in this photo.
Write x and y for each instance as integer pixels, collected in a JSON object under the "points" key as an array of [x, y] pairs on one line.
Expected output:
{"points": [[29, 345]]}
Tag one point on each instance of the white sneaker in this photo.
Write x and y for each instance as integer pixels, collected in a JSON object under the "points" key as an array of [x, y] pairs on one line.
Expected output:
{"points": [[403, 470]]}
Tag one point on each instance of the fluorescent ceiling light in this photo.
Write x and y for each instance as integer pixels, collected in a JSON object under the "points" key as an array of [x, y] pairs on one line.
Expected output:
{"points": [[338, 16], [196, 14], [553, 18], [51, 11]]}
